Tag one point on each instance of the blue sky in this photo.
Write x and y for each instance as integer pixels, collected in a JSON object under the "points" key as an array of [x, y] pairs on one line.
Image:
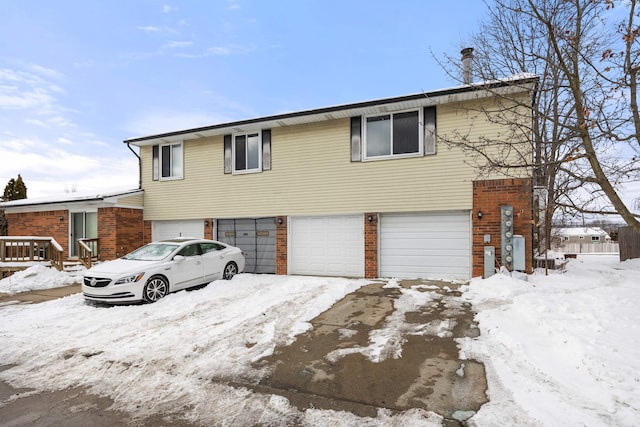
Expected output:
{"points": [[79, 77]]}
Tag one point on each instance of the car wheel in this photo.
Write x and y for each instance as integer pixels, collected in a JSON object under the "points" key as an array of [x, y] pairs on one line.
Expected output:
{"points": [[230, 270], [156, 288]]}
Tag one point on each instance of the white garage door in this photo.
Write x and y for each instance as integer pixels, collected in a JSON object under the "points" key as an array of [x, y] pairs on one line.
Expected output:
{"points": [[162, 230], [327, 246], [426, 245]]}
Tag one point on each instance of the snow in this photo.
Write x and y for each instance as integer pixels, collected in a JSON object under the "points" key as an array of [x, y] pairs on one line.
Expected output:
{"points": [[36, 278], [562, 349]]}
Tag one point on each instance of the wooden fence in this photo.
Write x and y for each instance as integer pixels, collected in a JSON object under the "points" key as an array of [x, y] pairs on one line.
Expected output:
{"points": [[629, 243], [18, 253], [590, 248]]}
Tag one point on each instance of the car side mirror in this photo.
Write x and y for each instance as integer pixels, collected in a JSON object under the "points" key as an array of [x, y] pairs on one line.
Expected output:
{"points": [[178, 258]]}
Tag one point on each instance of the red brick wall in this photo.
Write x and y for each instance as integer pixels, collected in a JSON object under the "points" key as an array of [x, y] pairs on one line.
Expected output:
{"points": [[209, 229], [47, 224], [120, 231], [147, 234], [370, 245], [487, 197], [281, 245]]}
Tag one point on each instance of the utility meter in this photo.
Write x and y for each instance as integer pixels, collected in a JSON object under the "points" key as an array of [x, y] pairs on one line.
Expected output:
{"points": [[506, 234]]}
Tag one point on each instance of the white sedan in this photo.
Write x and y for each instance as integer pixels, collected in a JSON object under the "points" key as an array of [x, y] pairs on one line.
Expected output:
{"points": [[154, 270]]}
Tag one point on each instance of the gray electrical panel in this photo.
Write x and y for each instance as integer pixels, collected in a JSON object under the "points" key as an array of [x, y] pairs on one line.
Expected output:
{"points": [[518, 253], [506, 234], [489, 261]]}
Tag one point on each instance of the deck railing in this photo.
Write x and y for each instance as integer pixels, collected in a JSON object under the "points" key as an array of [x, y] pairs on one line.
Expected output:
{"points": [[88, 251], [19, 252]]}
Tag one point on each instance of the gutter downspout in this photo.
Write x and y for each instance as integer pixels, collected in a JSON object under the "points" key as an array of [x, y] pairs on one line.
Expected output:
{"points": [[139, 166]]}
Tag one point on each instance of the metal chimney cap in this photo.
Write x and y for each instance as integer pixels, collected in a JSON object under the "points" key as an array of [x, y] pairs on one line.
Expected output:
{"points": [[467, 52]]}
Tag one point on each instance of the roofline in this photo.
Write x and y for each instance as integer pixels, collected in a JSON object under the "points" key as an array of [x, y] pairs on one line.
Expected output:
{"points": [[77, 199], [442, 92]]}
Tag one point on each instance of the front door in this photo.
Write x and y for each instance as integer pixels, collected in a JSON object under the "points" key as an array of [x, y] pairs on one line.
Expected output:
{"points": [[84, 225]]}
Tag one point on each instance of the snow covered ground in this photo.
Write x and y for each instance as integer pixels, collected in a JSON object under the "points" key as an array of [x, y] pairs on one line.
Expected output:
{"points": [[562, 349]]}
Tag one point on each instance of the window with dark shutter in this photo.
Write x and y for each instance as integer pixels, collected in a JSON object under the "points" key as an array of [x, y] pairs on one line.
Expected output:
{"points": [[266, 149], [430, 135], [155, 164], [228, 168], [356, 139]]}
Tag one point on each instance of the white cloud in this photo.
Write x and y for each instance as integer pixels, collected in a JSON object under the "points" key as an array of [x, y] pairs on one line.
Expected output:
{"points": [[149, 29], [155, 122], [64, 141], [167, 8], [178, 44]]}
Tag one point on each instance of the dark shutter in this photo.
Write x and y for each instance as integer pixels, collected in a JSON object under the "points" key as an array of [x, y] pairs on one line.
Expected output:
{"points": [[356, 139], [155, 163], [227, 154], [266, 149], [430, 134]]}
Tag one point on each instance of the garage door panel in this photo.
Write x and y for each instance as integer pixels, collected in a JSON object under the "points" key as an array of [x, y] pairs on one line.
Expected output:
{"points": [[256, 237], [327, 246], [163, 230], [426, 245]]}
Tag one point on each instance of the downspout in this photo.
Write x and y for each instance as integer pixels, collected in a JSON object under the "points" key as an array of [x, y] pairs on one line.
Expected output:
{"points": [[139, 166]]}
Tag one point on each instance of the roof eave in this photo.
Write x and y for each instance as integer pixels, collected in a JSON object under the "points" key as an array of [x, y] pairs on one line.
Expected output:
{"points": [[455, 94]]}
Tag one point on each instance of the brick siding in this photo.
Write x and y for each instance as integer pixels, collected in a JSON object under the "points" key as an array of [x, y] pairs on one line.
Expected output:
{"points": [[47, 224], [370, 245], [488, 196], [281, 245]]}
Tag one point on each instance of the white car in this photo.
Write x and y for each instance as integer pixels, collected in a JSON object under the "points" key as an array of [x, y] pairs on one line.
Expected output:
{"points": [[154, 270]]}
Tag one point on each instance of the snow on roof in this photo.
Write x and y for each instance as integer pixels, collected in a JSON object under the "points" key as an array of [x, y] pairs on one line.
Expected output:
{"points": [[68, 197], [582, 231]]}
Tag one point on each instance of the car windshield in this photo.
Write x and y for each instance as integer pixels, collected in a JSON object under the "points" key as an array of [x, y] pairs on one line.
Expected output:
{"points": [[152, 252]]}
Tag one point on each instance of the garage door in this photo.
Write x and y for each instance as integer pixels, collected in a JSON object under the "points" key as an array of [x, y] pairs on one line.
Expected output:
{"points": [[327, 246], [256, 237], [162, 230], [427, 245]]}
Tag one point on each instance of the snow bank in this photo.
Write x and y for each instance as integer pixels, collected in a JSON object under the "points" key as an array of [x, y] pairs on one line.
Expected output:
{"points": [[561, 349], [38, 277]]}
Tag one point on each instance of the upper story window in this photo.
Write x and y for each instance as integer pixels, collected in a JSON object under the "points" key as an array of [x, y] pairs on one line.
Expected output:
{"points": [[167, 161], [395, 134], [246, 153], [595, 238], [408, 133]]}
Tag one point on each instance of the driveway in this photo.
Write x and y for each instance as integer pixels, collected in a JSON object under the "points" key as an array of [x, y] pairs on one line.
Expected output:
{"points": [[334, 365]]}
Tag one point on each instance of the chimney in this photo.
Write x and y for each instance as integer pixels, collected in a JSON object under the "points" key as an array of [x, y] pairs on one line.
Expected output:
{"points": [[467, 58]]}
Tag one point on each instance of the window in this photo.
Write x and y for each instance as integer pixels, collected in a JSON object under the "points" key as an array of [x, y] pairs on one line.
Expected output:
{"points": [[167, 161], [595, 238], [211, 247], [246, 152], [392, 134]]}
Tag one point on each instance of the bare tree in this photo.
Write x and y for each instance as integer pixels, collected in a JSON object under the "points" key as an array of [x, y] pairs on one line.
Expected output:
{"points": [[586, 121]]}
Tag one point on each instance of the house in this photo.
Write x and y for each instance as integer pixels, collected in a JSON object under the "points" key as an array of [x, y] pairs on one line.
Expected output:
{"points": [[367, 189], [595, 235], [113, 220]]}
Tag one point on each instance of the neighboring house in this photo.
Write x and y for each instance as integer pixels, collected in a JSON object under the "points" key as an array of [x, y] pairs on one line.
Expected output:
{"points": [[363, 190], [115, 219], [595, 235]]}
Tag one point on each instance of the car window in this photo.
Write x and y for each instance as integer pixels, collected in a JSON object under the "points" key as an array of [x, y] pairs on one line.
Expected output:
{"points": [[190, 250], [211, 247], [152, 252]]}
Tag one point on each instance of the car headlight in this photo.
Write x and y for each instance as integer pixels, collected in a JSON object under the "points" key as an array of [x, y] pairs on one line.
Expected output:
{"points": [[129, 279]]}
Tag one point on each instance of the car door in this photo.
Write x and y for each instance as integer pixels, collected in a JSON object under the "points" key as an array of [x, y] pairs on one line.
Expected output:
{"points": [[213, 259], [188, 269]]}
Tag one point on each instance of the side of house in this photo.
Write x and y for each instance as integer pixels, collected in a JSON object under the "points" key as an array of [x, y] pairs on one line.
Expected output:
{"points": [[114, 219], [361, 190]]}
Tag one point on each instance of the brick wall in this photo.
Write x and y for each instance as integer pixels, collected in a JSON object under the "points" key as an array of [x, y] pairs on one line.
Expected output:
{"points": [[120, 230], [370, 245], [47, 224], [147, 233], [487, 197], [281, 245]]}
